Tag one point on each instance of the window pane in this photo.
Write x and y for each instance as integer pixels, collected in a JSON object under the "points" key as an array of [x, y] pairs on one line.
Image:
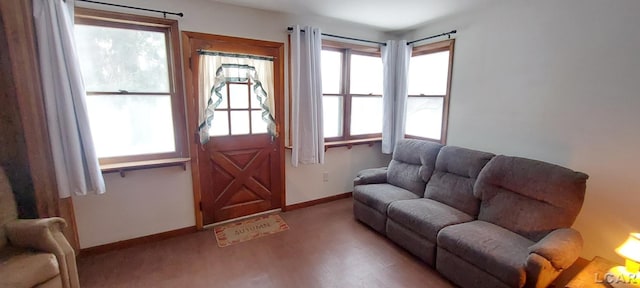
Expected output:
{"points": [[124, 125], [366, 115], [424, 117], [366, 75], [258, 126], [428, 74], [239, 122], [219, 124], [331, 71], [224, 104], [332, 116], [239, 96], [113, 59], [223, 92], [255, 103]]}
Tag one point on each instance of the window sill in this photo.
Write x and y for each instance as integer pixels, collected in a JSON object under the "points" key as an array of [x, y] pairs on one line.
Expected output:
{"points": [[348, 143], [141, 165], [425, 139]]}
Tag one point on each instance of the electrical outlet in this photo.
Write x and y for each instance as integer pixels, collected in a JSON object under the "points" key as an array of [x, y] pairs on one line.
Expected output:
{"points": [[325, 176]]}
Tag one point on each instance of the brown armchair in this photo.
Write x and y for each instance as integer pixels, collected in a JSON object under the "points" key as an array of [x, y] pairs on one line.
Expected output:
{"points": [[34, 252]]}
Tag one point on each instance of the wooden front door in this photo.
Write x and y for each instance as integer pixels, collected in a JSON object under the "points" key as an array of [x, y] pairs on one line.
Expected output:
{"points": [[240, 170], [239, 176]]}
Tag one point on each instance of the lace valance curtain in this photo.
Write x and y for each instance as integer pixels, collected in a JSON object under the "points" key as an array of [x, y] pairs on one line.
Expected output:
{"points": [[216, 69]]}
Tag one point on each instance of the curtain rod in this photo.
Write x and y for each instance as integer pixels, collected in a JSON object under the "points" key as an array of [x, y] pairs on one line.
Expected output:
{"points": [[136, 8], [448, 34], [234, 55], [345, 37]]}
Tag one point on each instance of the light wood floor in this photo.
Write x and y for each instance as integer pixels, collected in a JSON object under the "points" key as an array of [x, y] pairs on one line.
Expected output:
{"points": [[324, 247]]}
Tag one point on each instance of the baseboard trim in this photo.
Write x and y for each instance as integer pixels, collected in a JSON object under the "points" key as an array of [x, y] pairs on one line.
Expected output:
{"points": [[136, 241], [317, 201], [187, 230]]}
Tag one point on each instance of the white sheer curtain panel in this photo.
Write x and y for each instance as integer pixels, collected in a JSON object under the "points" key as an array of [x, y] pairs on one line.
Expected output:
{"points": [[74, 157], [307, 134], [395, 56]]}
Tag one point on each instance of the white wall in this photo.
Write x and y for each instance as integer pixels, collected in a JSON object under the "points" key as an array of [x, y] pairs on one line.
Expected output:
{"points": [[341, 164], [557, 81], [158, 200], [144, 202]]}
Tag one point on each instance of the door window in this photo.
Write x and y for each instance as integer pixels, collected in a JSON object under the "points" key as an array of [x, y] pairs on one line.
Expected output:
{"points": [[243, 115], [236, 94]]}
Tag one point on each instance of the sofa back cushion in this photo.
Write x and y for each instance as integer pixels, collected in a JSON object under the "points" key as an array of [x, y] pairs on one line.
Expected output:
{"points": [[456, 172], [8, 209], [412, 164], [529, 197]]}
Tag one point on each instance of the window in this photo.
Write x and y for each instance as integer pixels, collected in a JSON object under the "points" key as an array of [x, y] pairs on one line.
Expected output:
{"points": [[131, 70], [428, 89], [242, 115], [352, 91]]}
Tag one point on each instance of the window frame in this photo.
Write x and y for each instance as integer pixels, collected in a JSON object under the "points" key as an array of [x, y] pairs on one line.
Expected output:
{"points": [[85, 16], [441, 46], [348, 49]]}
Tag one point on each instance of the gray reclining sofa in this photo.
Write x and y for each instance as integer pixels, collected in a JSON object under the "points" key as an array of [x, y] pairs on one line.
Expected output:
{"points": [[482, 220]]}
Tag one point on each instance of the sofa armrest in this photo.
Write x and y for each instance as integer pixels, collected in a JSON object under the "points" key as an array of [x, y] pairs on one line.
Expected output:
{"points": [[371, 176], [46, 235], [561, 247]]}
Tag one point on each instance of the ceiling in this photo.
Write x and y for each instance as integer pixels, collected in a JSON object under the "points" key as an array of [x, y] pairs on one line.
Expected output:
{"points": [[387, 15]]}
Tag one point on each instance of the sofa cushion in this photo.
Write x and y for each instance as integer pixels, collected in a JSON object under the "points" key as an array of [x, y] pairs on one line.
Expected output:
{"points": [[27, 269], [455, 174], [529, 197], [367, 215], [450, 266], [412, 164], [417, 245], [425, 217], [489, 247], [379, 196]]}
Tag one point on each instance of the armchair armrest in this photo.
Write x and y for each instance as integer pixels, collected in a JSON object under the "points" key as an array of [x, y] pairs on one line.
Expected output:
{"points": [[35, 233], [45, 234], [371, 176], [561, 247]]}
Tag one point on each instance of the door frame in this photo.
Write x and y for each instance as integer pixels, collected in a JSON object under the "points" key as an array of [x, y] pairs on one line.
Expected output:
{"points": [[226, 43]]}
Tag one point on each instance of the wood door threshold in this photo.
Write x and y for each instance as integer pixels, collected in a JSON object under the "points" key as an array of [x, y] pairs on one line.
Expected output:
{"points": [[240, 218]]}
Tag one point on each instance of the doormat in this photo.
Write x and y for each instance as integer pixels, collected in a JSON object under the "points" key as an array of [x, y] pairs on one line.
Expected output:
{"points": [[249, 229]]}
